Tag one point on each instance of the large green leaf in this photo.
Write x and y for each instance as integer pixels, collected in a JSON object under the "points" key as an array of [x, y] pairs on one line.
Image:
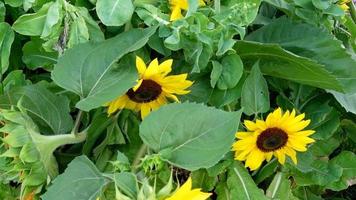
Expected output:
{"points": [[241, 185], [275, 61], [190, 136], [89, 70], [6, 38], [311, 42], [81, 181], [255, 95], [114, 12], [49, 112]]}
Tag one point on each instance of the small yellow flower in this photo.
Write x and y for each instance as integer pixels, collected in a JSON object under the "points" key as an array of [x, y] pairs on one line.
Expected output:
{"points": [[152, 89], [280, 135], [187, 193], [343, 4], [178, 5]]}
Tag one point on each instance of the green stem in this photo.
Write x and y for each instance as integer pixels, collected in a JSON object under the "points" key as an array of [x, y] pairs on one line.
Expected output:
{"points": [[352, 10], [141, 152], [77, 123], [217, 6]]}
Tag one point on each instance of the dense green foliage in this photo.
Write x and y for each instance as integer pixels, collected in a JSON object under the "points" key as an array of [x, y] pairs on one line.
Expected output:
{"points": [[63, 61]]}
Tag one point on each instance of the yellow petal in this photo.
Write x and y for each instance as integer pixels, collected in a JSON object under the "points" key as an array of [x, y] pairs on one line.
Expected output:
{"points": [[166, 67], [255, 159], [145, 110], [139, 82], [140, 65], [176, 13], [152, 69], [250, 125]]}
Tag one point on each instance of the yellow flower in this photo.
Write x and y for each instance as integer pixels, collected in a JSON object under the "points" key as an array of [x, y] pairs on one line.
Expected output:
{"points": [[187, 193], [152, 88], [280, 135], [343, 4], [178, 5]]}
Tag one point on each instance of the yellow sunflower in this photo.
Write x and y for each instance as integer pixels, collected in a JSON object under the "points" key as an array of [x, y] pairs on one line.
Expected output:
{"points": [[178, 5], [152, 89], [280, 135], [343, 4], [187, 193]]}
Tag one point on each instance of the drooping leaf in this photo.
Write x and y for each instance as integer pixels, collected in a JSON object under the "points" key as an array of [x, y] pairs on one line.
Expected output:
{"points": [[49, 112], [348, 101], [255, 95], [114, 12], [314, 43], [188, 135], [277, 62], [6, 39], [81, 181], [89, 71]]}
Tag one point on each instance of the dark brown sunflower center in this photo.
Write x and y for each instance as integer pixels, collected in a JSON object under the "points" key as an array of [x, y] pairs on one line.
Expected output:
{"points": [[147, 92], [272, 139]]}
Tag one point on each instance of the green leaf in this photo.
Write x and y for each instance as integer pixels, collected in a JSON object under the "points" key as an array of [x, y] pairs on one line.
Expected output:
{"points": [[325, 120], [347, 161], [238, 12], [90, 72], [280, 188], [277, 62], [127, 183], [53, 17], [34, 56], [241, 185], [190, 136], [114, 12], [79, 32], [232, 70], [215, 73], [80, 181], [49, 112], [348, 101], [15, 78], [32, 24], [255, 95], [6, 39], [314, 43]]}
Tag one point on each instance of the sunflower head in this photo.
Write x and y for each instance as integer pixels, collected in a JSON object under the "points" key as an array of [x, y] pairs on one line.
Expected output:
{"points": [[187, 193], [279, 135], [153, 88], [177, 6]]}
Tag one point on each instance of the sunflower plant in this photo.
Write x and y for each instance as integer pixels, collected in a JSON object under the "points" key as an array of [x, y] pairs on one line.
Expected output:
{"points": [[177, 99]]}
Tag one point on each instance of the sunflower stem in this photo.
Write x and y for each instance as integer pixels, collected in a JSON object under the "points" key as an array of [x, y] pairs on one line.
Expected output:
{"points": [[352, 10], [140, 153], [217, 6], [77, 123]]}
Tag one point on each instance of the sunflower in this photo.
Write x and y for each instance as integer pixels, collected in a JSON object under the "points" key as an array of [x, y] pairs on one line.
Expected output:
{"points": [[343, 4], [178, 5], [152, 89], [280, 135], [187, 193]]}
